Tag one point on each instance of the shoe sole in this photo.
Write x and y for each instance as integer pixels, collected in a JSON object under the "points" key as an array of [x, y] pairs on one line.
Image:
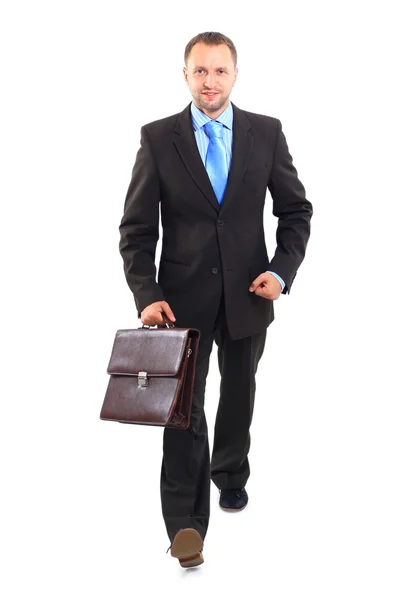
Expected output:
{"points": [[187, 547], [233, 509]]}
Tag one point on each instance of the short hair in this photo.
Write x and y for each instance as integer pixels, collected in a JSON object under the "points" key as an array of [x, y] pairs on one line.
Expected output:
{"points": [[211, 38]]}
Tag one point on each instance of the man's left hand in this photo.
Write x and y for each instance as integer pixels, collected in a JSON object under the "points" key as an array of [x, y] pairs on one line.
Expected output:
{"points": [[267, 286]]}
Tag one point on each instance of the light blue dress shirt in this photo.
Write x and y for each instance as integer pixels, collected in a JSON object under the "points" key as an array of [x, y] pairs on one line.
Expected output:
{"points": [[199, 118]]}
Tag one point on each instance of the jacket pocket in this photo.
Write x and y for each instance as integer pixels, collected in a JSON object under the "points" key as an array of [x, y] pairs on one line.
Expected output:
{"points": [[174, 262], [257, 175]]}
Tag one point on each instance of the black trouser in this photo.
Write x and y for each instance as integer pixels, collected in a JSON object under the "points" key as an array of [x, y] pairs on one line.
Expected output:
{"points": [[186, 468]]}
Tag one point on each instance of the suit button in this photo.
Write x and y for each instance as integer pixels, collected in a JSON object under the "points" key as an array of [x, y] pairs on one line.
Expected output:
{"points": [[214, 271], [220, 223]]}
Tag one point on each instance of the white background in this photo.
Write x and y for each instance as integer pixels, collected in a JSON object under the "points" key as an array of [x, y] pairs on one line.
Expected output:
{"points": [[81, 515]]}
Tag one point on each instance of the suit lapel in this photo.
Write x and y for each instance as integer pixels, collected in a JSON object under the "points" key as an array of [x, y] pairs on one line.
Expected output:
{"points": [[242, 144]]}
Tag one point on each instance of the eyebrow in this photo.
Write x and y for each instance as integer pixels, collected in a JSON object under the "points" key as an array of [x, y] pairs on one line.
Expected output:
{"points": [[201, 67]]}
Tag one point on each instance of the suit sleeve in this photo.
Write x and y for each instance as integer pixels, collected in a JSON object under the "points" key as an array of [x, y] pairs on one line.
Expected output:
{"points": [[139, 228], [293, 211]]}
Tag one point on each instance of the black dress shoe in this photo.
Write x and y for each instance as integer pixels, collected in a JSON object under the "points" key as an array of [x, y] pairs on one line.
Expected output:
{"points": [[233, 499]]}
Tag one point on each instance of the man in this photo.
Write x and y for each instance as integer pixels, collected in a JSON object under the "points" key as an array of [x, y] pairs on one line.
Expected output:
{"points": [[209, 168]]}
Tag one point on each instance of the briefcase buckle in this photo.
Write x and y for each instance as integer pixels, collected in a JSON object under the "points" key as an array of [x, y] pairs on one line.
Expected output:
{"points": [[142, 379]]}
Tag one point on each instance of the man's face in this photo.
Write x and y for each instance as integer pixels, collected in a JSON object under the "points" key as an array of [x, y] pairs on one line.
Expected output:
{"points": [[210, 69]]}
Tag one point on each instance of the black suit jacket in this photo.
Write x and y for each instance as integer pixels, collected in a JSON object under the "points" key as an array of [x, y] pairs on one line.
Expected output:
{"points": [[207, 246]]}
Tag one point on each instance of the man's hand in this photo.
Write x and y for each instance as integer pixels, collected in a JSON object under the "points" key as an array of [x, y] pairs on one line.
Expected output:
{"points": [[152, 314], [267, 286]]}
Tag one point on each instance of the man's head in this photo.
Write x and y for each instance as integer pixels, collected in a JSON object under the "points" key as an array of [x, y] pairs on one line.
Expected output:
{"points": [[210, 66]]}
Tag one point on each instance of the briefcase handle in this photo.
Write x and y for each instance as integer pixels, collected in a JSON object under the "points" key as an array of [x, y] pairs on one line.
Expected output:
{"points": [[169, 325]]}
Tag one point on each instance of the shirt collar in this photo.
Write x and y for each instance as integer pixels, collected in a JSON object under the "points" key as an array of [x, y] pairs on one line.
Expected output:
{"points": [[199, 118]]}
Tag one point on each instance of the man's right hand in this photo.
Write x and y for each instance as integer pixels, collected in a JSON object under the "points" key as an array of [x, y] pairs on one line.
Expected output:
{"points": [[152, 314]]}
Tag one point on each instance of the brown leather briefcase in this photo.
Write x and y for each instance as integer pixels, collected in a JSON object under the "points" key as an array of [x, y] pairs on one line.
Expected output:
{"points": [[152, 376]]}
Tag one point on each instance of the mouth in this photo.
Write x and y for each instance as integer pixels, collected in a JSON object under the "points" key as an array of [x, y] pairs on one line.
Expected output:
{"points": [[210, 94]]}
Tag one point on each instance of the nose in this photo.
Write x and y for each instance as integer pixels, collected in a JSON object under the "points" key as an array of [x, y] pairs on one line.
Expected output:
{"points": [[209, 81]]}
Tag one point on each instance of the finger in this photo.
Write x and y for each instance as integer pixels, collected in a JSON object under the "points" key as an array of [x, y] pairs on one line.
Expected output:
{"points": [[167, 310], [165, 319], [258, 281]]}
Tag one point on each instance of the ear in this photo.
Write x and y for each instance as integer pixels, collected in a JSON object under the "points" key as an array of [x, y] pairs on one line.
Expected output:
{"points": [[185, 74]]}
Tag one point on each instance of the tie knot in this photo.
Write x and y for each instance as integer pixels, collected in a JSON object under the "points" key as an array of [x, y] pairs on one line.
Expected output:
{"points": [[213, 129]]}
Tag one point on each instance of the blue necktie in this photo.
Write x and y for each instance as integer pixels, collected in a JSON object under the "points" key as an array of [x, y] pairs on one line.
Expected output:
{"points": [[216, 162]]}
